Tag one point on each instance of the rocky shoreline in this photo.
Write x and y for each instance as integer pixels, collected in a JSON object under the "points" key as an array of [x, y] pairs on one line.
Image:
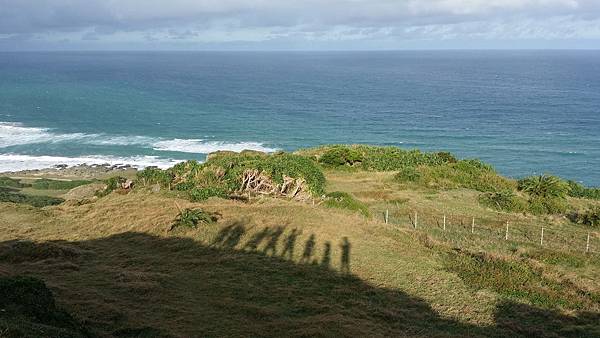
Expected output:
{"points": [[79, 171]]}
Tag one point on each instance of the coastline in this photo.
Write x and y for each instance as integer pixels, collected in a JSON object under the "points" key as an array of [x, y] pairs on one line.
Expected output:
{"points": [[87, 171]]}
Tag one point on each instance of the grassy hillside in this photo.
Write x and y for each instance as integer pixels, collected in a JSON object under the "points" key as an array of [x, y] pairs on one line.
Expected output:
{"points": [[327, 264]]}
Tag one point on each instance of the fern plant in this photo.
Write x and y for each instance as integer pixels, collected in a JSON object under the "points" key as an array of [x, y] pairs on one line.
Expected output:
{"points": [[544, 186]]}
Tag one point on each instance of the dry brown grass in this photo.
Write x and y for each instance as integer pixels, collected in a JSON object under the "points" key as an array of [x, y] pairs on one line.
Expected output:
{"points": [[239, 277]]}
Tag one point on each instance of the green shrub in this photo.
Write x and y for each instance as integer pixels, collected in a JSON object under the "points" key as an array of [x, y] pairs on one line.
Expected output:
{"points": [[470, 174], [48, 184], [340, 155], [343, 200], [201, 194], [580, 191], [191, 218], [33, 200], [547, 205], [112, 184], [154, 175], [504, 200], [407, 174], [544, 186], [589, 217], [11, 182]]}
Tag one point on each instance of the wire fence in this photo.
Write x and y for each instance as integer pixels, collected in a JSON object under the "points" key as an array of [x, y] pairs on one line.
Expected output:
{"points": [[465, 230]]}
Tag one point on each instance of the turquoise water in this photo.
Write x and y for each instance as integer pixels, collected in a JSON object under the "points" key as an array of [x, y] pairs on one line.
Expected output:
{"points": [[523, 111]]}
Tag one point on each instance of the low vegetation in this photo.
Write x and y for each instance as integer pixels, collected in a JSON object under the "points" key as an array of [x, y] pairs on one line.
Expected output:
{"points": [[191, 218], [516, 279], [49, 184], [222, 175], [169, 259], [14, 196], [342, 200]]}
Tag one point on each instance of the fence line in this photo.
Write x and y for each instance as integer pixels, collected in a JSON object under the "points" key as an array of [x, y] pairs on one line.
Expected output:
{"points": [[574, 240]]}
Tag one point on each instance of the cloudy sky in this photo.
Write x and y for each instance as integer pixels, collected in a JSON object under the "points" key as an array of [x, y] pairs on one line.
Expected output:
{"points": [[297, 24]]}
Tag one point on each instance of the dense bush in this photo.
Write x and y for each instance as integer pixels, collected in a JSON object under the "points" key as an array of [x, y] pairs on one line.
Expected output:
{"points": [[580, 191], [48, 184], [343, 200], [470, 174], [375, 157], [544, 186], [407, 174], [191, 218], [112, 184], [340, 155], [201, 194], [223, 173], [154, 175], [13, 196], [505, 200], [548, 205], [11, 182], [589, 217]]}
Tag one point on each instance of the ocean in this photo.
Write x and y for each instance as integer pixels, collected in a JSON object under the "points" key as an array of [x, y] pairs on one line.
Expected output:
{"points": [[525, 112]]}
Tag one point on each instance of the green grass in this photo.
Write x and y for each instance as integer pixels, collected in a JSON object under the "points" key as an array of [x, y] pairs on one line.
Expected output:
{"points": [[12, 183], [37, 201], [514, 278], [49, 184], [342, 200], [191, 218]]}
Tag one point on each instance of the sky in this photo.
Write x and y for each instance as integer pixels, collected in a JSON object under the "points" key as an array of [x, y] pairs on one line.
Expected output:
{"points": [[298, 25]]}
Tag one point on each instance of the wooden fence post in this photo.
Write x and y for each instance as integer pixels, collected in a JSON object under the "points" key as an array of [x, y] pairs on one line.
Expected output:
{"points": [[542, 237], [386, 216], [587, 244], [444, 222], [473, 226], [506, 235], [416, 219]]}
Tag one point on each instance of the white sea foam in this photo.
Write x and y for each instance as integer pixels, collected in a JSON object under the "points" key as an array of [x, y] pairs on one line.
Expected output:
{"points": [[16, 162], [14, 134], [205, 147]]}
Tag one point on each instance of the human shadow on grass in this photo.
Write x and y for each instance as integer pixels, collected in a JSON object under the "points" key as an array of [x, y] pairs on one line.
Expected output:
{"points": [[140, 285]]}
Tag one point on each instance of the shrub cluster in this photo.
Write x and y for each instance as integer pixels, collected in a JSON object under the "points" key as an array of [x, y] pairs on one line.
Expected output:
{"points": [[14, 196], [470, 174], [222, 174], [544, 186], [377, 158], [580, 191], [48, 184], [191, 218], [505, 200], [589, 217], [112, 184], [12, 183], [343, 200]]}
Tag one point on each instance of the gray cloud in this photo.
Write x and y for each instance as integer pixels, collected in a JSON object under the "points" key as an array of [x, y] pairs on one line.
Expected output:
{"points": [[106, 22]]}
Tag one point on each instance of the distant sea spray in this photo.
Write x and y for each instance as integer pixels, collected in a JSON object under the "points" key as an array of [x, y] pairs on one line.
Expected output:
{"points": [[16, 135]]}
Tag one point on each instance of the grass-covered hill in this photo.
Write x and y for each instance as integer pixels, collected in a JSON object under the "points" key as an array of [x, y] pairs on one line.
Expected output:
{"points": [[296, 244]]}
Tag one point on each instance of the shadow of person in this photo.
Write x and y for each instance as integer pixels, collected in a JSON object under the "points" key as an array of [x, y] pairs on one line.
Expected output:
{"points": [[256, 239], [290, 244], [326, 260], [229, 236], [273, 240], [345, 258], [309, 248]]}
